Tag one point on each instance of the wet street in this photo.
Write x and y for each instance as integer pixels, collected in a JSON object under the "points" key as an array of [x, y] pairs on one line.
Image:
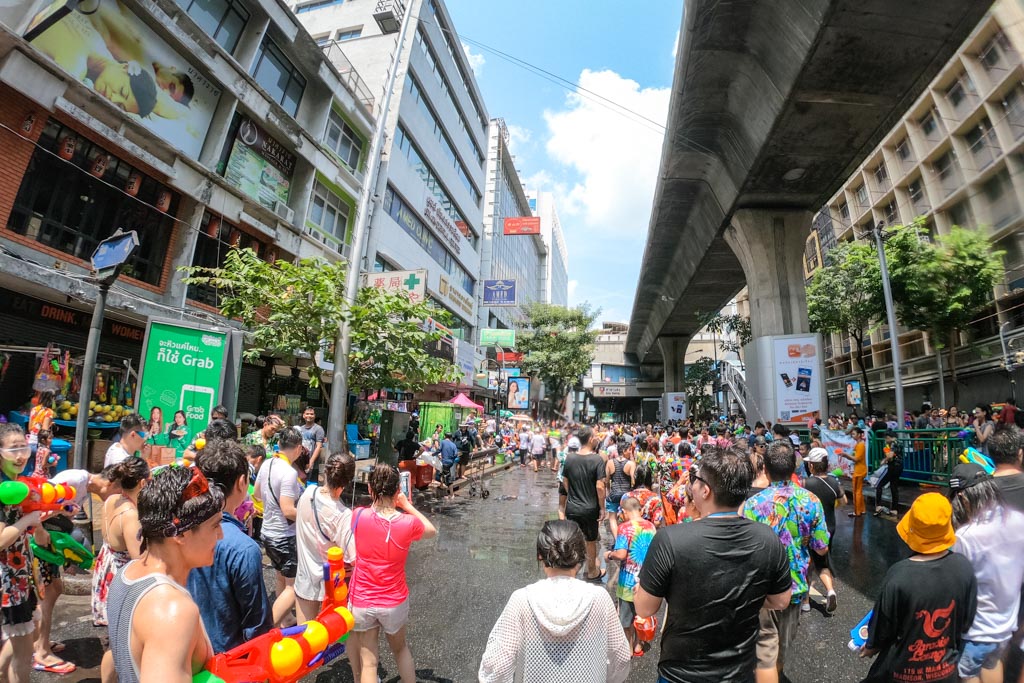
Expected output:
{"points": [[461, 580]]}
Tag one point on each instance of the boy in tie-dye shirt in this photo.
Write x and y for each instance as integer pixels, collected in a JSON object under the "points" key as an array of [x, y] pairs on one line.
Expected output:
{"points": [[631, 544]]}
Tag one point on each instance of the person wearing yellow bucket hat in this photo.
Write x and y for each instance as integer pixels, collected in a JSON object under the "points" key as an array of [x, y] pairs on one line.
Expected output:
{"points": [[926, 602]]}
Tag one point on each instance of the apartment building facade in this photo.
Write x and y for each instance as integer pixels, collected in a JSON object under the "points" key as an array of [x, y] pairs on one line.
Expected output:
{"points": [[955, 158]]}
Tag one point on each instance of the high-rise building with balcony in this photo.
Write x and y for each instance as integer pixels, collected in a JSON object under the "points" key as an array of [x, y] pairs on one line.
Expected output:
{"points": [[955, 158]]}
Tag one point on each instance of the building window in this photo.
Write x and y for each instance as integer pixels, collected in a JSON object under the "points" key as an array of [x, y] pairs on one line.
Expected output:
{"points": [[323, 40], [382, 265], [844, 213], [278, 76], [222, 20], [74, 194], [310, 6], [328, 213], [343, 140], [862, 196], [216, 238], [892, 216], [882, 176], [929, 125], [962, 215], [994, 51], [350, 34], [903, 150], [960, 91], [1013, 105]]}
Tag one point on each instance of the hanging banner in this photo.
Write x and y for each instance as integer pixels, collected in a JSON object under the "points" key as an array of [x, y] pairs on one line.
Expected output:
{"points": [[183, 368], [836, 442], [499, 292], [853, 393], [521, 225], [674, 406], [112, 51], [260, 166]]}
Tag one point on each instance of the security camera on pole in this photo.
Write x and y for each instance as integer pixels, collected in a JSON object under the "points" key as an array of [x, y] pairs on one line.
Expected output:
{"points": [[110, 256]]}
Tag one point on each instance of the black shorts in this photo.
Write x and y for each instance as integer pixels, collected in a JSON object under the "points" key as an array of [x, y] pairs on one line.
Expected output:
{"points": [[20, 614], [588, 525], [282, 554]]}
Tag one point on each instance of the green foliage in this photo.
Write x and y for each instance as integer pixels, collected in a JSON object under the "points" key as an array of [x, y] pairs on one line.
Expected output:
{"points": [[734, 328], [297, 307], [845, 297], [557, 345], [698, 380]]}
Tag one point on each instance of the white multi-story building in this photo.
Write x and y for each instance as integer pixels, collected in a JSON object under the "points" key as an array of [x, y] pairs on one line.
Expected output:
{"points": [[428, 214], [556, 268]]}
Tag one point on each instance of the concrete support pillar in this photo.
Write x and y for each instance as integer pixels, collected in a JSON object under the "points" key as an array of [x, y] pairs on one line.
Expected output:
{"points": [[769, 244], [673, 351]]}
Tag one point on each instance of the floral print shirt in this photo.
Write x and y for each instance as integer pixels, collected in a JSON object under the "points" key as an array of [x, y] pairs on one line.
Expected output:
{"points": [[797, 518], [650, 506], [15, 563]]}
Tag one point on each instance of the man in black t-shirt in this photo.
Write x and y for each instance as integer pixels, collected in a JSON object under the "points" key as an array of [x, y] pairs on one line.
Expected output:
{"points": [[583, 477], [1004, 447], [408, 448], [716, 574]]}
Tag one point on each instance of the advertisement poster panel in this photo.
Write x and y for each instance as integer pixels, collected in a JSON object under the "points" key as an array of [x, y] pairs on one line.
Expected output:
{"points": [[675, 406], [182, 369], [836, 442], [499, 292], [853, 393], [521, 225], [506, 339], [113, 52], [518, 393], [259, 165], [796, 360]]}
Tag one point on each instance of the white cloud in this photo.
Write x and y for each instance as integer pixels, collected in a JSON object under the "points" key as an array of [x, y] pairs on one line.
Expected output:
{"points": [[517, 137], [476, 60], [615, 158]]}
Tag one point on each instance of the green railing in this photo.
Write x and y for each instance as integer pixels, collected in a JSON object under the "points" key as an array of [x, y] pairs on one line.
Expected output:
{"points": [[929, 455]]}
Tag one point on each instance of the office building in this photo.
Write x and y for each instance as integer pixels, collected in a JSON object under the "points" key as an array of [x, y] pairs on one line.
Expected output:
{"points": [[556, 267], [956, 158], [432, 178], [201, 125]]}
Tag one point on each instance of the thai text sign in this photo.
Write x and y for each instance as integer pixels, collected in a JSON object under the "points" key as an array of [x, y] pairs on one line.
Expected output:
{"points": [[522, 225]]}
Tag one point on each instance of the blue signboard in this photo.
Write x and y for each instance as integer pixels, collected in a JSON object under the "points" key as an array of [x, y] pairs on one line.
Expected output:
{"points": [[499, 292]]}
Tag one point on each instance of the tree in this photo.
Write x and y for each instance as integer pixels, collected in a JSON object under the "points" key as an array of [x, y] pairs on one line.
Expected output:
{"points": [[845, 297], [940, 286], [697, 377], [294, 308], [734, 328], [557, 345]]}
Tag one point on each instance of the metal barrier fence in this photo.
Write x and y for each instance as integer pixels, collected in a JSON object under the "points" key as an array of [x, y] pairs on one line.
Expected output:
{"points": [[929, 455]]}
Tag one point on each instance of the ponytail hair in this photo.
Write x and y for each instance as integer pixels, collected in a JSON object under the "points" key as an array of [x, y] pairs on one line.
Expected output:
{"points": [[129, 473]]}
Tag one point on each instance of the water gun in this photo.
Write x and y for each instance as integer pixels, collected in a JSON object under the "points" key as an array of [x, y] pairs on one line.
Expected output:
{"points": [[34, 494], [287, 655], [63, 549], [976, 457], [859, 633]]}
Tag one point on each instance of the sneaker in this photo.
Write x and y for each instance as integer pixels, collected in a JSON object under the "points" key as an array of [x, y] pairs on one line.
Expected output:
{"points": [[805, 606], [831, 602]]}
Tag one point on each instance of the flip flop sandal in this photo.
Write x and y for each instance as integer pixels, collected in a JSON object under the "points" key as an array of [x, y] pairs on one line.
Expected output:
{"points": [[639, 652], [62, 668]]}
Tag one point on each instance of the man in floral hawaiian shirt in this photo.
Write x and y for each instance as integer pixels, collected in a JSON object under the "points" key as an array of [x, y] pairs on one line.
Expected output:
{"points": [[797, 518]]}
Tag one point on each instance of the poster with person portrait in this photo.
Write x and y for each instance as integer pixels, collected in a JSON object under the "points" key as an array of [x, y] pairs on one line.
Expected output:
{"points": [[108, 48], [518, 393]]}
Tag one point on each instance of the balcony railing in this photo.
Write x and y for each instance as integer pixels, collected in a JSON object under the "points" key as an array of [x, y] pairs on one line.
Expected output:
{"points": [[349, 76], [985, 150]]}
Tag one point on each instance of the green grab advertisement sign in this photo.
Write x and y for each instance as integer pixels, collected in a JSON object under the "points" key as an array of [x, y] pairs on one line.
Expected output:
{"points": [[182, 369], [503, 338]]}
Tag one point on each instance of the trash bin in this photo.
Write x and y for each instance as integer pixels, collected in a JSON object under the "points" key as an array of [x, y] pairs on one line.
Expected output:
{"points": [[62, 450]]}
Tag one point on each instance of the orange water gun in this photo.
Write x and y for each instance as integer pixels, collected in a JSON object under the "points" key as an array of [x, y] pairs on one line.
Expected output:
{"points": [[36, 494]]}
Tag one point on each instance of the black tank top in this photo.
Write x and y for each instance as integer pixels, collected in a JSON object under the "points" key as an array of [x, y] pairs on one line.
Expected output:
{"points": [[620, 480]]}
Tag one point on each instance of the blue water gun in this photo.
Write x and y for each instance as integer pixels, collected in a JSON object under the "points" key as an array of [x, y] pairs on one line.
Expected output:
{"points": [[976, 457]]}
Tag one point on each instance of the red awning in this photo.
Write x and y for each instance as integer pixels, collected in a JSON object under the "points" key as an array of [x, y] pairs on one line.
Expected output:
{"points": [[464, 401]]}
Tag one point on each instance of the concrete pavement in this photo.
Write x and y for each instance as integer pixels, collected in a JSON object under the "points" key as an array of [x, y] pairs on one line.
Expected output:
{"points": [[461, 580]]}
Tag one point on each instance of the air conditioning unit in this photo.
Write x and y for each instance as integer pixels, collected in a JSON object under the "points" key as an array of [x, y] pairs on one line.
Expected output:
{"points": [[284, 212]]}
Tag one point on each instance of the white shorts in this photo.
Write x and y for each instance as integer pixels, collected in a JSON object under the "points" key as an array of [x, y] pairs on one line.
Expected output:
{"points": [[390, 619]]}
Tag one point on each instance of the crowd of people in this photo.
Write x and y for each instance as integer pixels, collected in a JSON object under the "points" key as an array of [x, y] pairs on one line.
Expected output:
{"points": [[729, 525]]}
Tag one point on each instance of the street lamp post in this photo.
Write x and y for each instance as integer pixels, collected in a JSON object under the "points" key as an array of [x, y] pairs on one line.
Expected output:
{"points": [[890, 314], [343, 341]]}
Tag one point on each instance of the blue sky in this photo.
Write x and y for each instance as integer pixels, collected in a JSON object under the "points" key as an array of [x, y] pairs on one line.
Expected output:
{"points": [[601, 165]]}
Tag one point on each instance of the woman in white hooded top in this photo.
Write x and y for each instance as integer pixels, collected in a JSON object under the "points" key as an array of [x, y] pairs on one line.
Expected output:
{"points": [[560, 629]]}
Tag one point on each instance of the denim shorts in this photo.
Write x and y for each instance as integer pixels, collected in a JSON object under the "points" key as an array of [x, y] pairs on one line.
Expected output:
{"points": [[978, 656]]}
